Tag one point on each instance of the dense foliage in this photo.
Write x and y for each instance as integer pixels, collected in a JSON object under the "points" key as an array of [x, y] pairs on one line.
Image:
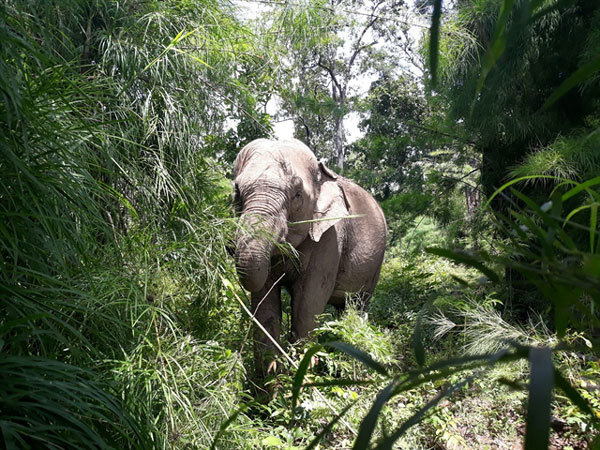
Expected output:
{"points": [[504, 116], [119, 321], [108, 205]]}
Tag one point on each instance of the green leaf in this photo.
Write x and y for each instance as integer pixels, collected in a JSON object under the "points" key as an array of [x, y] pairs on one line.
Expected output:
{"points": [[591, 265], [518, 180], [513, 384], [434, 40], [497, 46], [540, 397], [300, 374], [464, 258], [575, 212], [342, 382], [554, 6], [444, 369], [361, 356], [459, 280], [580, 75], [417, 340], [226, 424], [593, 225], [272, 441], [550, 222], [10, 325], [563, 384], [388, 442], [535, 4], [580, 187], [367, 426]]}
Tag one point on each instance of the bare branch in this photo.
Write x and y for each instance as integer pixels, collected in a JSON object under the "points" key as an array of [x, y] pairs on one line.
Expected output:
{"points": [[331, 74], [359, 48]]}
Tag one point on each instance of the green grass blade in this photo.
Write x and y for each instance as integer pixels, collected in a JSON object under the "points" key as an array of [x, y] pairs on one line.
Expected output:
{"points": [[388, 442], [417, 340], [299, 377], [593, 225], [541, 384], [359, 355], [563, 384], [497, 45], [226, 424], [342, 382], [434, 40], [535, 4], [580, 75], [518, 180], [464, 258], [367, 426], [555, 6], [327, 428], [580, 187], [551, 223]]}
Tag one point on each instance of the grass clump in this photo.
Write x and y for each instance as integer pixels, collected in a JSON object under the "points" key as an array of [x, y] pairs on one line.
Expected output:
{"points": [[113, 233]]}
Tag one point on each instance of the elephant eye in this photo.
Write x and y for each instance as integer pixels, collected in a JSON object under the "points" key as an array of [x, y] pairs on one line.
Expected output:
{"points": [[297, 200]]}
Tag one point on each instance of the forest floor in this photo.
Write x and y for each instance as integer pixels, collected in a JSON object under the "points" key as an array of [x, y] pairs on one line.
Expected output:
{"points": [[487, 413]]}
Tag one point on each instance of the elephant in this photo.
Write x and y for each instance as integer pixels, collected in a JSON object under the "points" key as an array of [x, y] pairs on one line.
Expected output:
{"points": [[296, 200]]}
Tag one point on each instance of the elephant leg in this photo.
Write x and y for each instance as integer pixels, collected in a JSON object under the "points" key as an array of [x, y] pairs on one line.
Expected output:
{"points": [[367, 293], [266, 307], [314, 288]]}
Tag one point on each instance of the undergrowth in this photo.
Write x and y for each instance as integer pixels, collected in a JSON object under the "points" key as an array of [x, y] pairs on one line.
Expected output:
{"points": [[486, 412]]}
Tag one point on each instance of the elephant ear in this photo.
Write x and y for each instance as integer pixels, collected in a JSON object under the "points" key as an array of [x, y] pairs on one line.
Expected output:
{"points": [[331, 205], [327, 171]]}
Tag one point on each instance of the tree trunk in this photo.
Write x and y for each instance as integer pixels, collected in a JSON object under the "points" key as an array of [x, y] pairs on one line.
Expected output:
{"points": [[339, 96], [338, 142], [473, 197]]}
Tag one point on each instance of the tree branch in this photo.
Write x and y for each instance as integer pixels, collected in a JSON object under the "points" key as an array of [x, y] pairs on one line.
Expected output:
{"points": [[331, 74], [359, 48]]}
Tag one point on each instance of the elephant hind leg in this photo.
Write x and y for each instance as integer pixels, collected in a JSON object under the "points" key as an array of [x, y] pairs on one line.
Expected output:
{"points": [[367, 293]]}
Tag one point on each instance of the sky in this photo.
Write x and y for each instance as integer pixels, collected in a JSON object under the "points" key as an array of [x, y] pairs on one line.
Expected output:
{"points": [[285, 129]]}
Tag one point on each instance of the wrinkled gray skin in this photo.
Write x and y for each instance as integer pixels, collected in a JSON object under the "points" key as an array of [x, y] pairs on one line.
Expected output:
{"points": [[276, 184]]}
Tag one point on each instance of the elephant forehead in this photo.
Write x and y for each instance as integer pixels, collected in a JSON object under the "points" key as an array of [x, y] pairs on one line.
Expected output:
{"points": [[262, 183], [263, 171], [277, 164]]}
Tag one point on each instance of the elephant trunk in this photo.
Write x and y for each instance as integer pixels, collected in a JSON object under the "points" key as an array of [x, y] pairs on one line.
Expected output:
{"points": [[260, 228]]}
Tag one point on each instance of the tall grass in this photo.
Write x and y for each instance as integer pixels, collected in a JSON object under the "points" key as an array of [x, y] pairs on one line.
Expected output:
{"points": [[574, 157], [112, 229]]}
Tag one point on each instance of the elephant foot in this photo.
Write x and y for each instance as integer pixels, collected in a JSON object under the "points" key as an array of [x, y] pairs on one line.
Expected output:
{"points": [[265, 383]]}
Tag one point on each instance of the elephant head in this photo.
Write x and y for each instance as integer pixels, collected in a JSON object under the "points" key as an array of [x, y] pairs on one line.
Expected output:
{"points": [[279, 186]]}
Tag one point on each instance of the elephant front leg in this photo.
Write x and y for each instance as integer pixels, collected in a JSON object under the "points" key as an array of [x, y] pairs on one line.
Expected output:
{"points": [[266, 307], [314, 288]]}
